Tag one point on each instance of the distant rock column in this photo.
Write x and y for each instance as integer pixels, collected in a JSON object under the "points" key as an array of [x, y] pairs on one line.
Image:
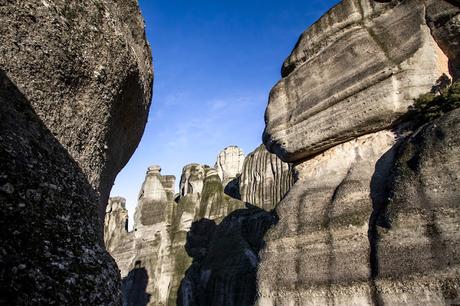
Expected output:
{"points": [[265, 179]]}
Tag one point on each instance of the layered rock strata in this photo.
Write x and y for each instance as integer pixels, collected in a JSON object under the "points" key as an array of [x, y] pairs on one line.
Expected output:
{"points": [[355, 71], [75, 79], [371, 218]]}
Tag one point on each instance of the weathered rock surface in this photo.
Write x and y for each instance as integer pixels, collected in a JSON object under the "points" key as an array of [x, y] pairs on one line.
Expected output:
{"points": [[265, 179], [156, 258], [116, 222], [153, 259], [75, 88], [318, 253], [355, 71], [85, 68], [338, 240], [225, 259], [229, 163], [51, 251], [416, 237]]}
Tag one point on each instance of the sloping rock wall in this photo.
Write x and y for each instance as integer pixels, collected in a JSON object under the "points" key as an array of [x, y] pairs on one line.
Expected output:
{"points": [[75, 88]]}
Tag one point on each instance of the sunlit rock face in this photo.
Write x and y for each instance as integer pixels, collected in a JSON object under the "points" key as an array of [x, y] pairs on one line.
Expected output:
{"points": [[229, 163], [116, 222], [154, 252], [355, 71], [370, 218], [75, 89], [265, 179], [170, 232]]}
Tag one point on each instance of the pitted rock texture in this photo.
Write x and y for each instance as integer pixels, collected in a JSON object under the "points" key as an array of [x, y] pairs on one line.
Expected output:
{"points": [[75, 82], [51, 251], [318, 253], [229, 163], [416, 238], [265, 179], [356, 71], [86, 69]]}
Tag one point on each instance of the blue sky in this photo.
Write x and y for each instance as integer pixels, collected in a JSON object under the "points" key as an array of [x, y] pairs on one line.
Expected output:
{"points": [[215, 63]]}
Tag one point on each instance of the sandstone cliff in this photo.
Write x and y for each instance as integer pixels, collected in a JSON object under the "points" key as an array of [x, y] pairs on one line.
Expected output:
{"points": [[200, 230], [370, 220], [75, 78]]}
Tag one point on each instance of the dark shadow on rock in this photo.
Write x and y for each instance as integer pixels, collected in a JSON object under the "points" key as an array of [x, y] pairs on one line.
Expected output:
{"points": [[134, 287], [52, 249], [232, 189], [225, 259], [380, 188]]}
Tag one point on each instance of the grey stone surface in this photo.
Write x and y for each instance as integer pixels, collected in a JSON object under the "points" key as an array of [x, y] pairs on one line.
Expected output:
{"points": [[417, 242], [318, 253], [265, 179], [51, 251], [86, 69], [75, 88], [225, 259], [229, 163], [356, 71], [152, 258], [372, 218]]}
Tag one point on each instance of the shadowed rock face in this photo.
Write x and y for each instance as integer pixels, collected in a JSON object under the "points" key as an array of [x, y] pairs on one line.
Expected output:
{"points": [[417, 239], [355, 71], [371, 218], [225, 259], [171, 231], [75, 88], [85, 67], [51, 252]]}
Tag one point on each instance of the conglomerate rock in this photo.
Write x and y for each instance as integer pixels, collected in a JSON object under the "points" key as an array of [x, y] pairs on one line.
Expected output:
{"points": [[75, 88], [86, 69], [416, 243]]}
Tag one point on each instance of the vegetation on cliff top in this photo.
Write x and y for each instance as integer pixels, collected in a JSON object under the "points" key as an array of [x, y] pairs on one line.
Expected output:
{"points": [[432, 105]]}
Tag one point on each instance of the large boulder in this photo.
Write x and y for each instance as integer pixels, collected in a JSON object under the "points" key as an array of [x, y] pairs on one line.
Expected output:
{"points": [[85, 67], [75, 89], [356, 71]]}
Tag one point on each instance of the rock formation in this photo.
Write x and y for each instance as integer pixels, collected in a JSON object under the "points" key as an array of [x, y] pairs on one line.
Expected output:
{"points": [[85, 67], [265, 179], [371, 218], [197, 225], [229, 163], [355, 71], [75, 78]]}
